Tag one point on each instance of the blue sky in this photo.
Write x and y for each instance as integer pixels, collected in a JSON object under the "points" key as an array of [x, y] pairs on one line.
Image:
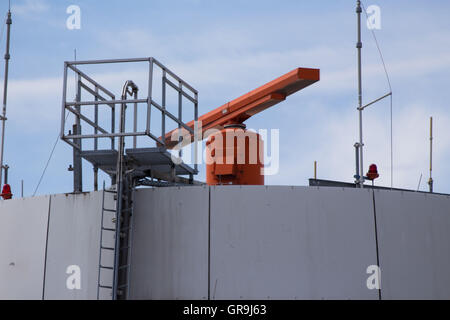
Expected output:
{"points": [[225, 49]]}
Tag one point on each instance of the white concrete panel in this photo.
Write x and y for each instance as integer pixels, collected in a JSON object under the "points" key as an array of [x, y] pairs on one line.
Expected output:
{"points": [[22, 247], [74, 239], [414, 244], [291, 243], [170, 244]]}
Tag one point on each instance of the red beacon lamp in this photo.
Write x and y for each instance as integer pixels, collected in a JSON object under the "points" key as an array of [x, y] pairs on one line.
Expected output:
{"points": [[372, 174], [6, 192]]}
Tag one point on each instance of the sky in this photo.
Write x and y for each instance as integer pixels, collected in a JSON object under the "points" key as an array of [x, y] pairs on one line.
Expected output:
{"points": [[227, 48]]}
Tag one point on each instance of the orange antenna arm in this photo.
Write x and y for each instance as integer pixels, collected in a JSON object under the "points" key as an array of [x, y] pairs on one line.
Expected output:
{"points": [[266, 96]]}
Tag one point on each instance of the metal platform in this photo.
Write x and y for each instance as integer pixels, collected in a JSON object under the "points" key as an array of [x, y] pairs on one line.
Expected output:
{"points": [[140, 159], [105, 160], [158, 159], [110, 112]]}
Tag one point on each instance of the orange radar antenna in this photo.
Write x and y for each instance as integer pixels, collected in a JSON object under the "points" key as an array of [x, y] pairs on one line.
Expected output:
{"points": [[223, 165], [242, 108]]}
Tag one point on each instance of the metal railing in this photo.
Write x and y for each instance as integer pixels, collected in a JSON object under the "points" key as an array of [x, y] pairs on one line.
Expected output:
{"points": [[103, 96]]}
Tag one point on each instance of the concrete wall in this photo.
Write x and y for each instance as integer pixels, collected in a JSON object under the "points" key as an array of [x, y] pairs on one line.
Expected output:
{"points": [[170, 244], [414, 244], [264, 243], [41, 237], [23, 239], [74, 240], [233, 242], [291, 243]]}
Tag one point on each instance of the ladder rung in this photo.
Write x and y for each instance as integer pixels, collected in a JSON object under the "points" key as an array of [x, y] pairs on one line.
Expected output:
{"points": [[124, 266], [108, 229], [105, 287], [122, 286], [104, 267], [124, 229], [123, 248], [107, 248], [110, 191], [127, 209], [109, 210]]}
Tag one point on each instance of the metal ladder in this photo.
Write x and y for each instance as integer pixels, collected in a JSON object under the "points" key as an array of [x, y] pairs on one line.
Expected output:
{"points": [[123, 215], [122, 231]]}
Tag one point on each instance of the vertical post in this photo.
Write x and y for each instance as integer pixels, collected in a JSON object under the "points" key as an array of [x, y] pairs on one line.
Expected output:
{"points": [[357, 175], [96, 118], [135, 119], [124, 185], [315, 170], [113, 140], [149, 102], [113, 122], [359, 47], [63, 107], [6, 168], [163, 105], [180, 115], [21, 188], [119, 182], [5, 92], [96, 139], [430, 181], [196, 133], [77, 164]]}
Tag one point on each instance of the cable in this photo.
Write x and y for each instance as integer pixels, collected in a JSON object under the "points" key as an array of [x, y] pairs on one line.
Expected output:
{"points": [[391, 99], [48, 162], [54, 147]]}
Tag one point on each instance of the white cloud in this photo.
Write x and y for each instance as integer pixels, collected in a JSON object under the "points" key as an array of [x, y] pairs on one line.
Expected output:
{"points": [[30, 7], [330, 138]]}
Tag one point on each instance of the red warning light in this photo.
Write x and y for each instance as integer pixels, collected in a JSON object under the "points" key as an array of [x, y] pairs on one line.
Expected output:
{"points": [[6, 192], [373, 172]]}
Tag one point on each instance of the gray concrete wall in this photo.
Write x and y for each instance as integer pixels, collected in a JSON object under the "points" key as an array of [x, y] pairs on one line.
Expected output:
{"points": [[23, 239], [291, 243], [74, 239], [170, 244], [234, 242], [414, 245]]}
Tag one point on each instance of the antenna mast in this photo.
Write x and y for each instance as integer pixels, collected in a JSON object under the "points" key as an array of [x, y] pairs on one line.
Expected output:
{"points": [[359, 145], [5, 94], [430, 181]]}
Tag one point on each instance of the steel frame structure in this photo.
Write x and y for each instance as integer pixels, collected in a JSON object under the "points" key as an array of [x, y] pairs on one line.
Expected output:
{"points": [[103, 96], [125, 166]]}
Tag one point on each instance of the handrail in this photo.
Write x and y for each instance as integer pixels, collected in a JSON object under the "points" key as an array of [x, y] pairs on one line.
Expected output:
{"points": [[128, 96]]}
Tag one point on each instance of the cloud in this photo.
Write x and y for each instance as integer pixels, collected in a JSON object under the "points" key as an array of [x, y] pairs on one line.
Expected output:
{"points": [[329, 139], [33, 104], [30, 7]]}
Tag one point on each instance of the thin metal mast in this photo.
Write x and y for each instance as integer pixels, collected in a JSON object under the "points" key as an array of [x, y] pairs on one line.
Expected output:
{"points": [[430, 181], [361, 144], [77, 162], [5, 92]]}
